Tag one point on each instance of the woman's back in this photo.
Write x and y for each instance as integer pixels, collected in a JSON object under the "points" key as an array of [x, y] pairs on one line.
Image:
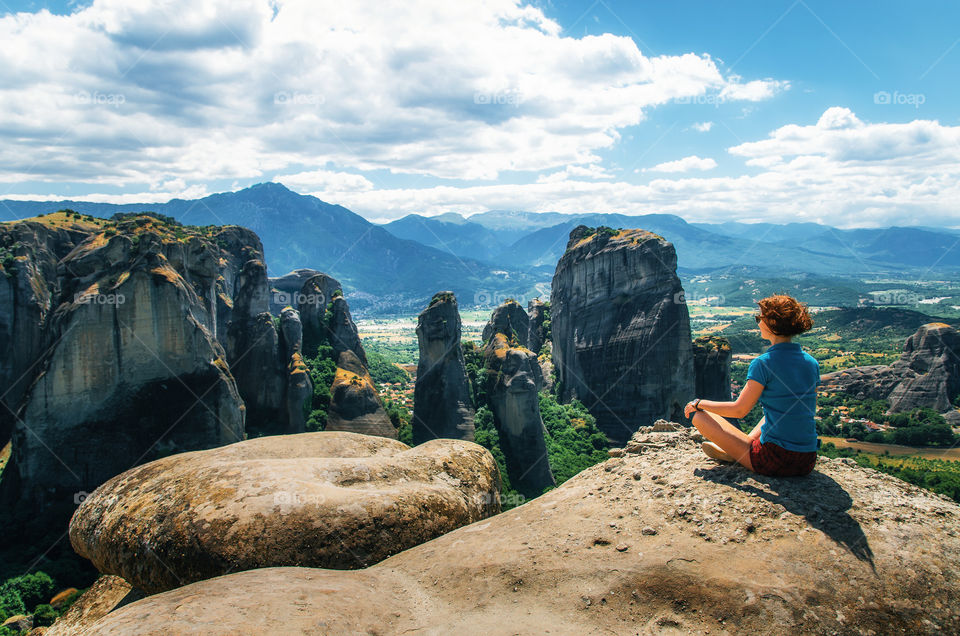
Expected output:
{"points": [[790, 377]]}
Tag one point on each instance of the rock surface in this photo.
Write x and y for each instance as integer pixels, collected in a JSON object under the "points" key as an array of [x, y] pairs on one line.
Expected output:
{"points": [[515, 381], [662, 540], [442, 404], [711, 364], [336, 500], [621, 331], [926, 375], [106, 594]]}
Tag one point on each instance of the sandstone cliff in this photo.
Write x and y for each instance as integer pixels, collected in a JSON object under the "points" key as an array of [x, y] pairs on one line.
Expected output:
{"points": [[512, 321], [328, 329], [711, 364], [659, 540], [926, 375], [539, 330], [131, 339], [621, 332], [442, 404], [514, 382]]}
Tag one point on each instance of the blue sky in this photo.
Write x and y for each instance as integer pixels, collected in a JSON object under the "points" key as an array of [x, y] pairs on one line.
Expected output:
{"points": [[838, 112]]}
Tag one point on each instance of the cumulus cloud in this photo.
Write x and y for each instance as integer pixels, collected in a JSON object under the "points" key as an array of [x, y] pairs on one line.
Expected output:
{"points": [[326, 181], [687, 164], [840, 171], [703, 126], [126, 92]]}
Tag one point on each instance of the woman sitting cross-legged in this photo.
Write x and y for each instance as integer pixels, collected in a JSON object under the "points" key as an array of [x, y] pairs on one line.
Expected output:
{"points": [[784, 379]]}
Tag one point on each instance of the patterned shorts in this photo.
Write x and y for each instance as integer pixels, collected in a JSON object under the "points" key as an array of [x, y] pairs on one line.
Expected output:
{"points": [[776, 461]]}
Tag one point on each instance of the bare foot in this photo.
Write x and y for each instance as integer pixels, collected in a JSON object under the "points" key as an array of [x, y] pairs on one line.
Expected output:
{"points": [[715, 452]]}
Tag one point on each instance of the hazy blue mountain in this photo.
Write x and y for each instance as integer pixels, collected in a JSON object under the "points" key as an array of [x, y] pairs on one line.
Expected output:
{"points": [[379, 270], [514, 224], [697, 248], [770, 232], [451, 233]]}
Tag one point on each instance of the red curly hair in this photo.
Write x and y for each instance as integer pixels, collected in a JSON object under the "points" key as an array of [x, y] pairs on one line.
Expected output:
{"points": [[784, 315]]}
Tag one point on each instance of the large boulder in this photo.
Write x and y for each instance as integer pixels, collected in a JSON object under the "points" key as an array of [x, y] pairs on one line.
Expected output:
{"points": [[334, 500], [442, 403], [514, 381], [660, 540], [927, 374], [620, 328]]}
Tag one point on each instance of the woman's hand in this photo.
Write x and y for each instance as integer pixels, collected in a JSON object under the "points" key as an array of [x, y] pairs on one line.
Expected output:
{"points": [[689, 409]]}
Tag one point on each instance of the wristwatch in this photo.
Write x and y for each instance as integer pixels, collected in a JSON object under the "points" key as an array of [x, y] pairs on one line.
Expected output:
{"points": [[696, 404]]}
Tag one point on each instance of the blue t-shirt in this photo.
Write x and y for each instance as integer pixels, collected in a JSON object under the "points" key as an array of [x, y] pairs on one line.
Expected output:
{"points": [[789, 377]]}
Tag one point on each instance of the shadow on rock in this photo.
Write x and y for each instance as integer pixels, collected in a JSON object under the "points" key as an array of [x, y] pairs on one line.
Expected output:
{"points": [[817, 497]]}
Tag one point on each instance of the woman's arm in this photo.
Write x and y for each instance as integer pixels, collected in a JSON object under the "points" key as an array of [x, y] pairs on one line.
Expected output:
{"points": [[744, 402]]}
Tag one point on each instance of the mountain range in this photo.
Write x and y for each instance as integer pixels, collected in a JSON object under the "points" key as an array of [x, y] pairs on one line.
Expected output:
{"points": [[489, 256]]}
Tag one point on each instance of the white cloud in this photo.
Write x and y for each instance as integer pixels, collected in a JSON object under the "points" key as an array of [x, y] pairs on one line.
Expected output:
{"points": [[840, 171], [326, 181], [703, 126], [687, 164], [127, 92]]}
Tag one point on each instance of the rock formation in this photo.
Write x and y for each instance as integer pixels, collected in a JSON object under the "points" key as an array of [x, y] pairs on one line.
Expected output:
{"points": [[512, 321], [333, 500], [130, 339], [299, 388], [285, 290], [355, 405], [515, 380], [539, 329], [620, 330], [711, 364], [442, 404], [328, 329], [926, 375], [650, 542]]}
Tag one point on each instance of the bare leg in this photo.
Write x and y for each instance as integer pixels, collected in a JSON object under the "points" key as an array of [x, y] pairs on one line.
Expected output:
{"points": [[731, 439]]}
